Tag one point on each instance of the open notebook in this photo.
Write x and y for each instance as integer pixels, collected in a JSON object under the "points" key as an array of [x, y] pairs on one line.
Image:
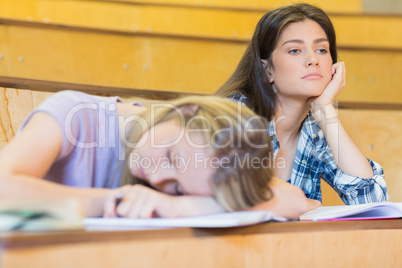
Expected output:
{"points": [[219, 220], [380, 210]]}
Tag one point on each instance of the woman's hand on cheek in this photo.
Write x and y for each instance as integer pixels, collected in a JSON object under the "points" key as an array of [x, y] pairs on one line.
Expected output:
{"points": [[138, 201], [334, 87]]}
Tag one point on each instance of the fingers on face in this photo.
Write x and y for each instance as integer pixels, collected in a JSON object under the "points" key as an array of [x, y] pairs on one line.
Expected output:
{"points": [[340, 68]]}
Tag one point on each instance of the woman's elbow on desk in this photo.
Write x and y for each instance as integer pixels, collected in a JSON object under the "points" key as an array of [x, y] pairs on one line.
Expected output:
{"points": [[6, 189], [288, 201]]}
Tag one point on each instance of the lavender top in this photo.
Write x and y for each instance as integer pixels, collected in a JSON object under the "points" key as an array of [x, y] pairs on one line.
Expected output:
{"points": [[91, 146]]}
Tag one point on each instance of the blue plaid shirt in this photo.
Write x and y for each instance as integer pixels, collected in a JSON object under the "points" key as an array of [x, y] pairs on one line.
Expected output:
{"points": [[314, 160]]}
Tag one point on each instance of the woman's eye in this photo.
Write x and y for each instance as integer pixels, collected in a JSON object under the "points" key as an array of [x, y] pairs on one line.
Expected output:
{"points": [[294, 51], [169, 155], [177, 189], [322, 51]]}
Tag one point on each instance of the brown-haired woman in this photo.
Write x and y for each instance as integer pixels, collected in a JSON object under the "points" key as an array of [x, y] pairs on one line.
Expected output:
{"points": [[290, 74]]}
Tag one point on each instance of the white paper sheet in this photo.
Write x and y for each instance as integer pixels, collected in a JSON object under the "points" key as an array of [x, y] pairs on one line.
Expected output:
{"points": [[220, 220]]}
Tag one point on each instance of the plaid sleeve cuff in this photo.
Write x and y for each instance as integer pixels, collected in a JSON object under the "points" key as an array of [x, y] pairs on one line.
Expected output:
{"points": [[354, 190]]}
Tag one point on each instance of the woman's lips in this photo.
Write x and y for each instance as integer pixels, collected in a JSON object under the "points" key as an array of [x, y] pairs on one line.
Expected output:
{"points": [[312, 76]]}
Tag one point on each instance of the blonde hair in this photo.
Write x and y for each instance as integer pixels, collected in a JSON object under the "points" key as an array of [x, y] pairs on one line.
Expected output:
{"points": [[237, 185]]}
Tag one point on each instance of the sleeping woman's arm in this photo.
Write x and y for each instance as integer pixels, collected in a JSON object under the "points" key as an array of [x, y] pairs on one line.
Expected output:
{"points": [[143, 202], [288, 200], [28, 157]]}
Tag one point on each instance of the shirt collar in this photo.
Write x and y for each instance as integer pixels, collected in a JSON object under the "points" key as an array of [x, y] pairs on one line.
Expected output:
{"points": [[309, 127]]}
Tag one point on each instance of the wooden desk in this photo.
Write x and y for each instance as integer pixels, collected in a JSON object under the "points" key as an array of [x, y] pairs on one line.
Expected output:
{"points": [[376, 243]]}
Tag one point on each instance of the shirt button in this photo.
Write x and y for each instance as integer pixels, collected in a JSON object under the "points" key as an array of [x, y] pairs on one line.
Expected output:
{"points": [[304, 161], [314, 136]]}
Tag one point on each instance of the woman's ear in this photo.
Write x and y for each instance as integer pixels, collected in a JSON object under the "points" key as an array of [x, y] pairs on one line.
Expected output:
{"points": [[267, 69], [190, 109]]}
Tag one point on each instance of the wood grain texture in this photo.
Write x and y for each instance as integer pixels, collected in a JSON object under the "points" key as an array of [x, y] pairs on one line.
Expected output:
{"points": [[167, 63], [4, 51], [381, 139], [217, 18], [54, 86], [292, 244], [40, 9], [364, 248], [330, 5], [372, 76], [15, 105], [377, 134], [375, 31], [198, 252]]}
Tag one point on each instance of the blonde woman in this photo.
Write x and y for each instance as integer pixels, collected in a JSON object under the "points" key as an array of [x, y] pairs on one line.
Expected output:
{"points": [[193, 156]]}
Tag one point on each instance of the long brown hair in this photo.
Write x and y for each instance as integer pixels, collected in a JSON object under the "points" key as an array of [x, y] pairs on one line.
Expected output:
{"points": [[234, 132], [250, 77]]}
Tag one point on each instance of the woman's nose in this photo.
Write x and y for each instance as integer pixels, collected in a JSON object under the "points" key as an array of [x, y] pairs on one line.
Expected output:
{"points": [[164, 184], [155, 179], [312, 60], [160, 175]]}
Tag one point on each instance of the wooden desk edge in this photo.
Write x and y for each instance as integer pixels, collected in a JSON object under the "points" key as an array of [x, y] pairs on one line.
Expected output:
{"points": [[20, 239]]}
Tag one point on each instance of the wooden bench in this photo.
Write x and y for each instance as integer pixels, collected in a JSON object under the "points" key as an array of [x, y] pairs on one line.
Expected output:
{"points": [[180, 45]]}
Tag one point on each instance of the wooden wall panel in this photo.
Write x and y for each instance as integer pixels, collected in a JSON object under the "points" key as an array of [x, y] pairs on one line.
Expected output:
{"points": [[130, 58], [171, 64], [18, 9], [38, 97], [4, 50], [15, 105], [39, 54], [158, 63], [372, 76], [189, 66], [329, 196], [39, 9], [333, 5], [148, 18], [381, 139], [352, 30], [368, 31], [377, 134], [76, 57], [101, 59]]}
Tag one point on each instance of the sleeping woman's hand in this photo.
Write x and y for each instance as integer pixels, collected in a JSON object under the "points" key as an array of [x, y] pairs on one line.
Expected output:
{"points": [[139, 201]]}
